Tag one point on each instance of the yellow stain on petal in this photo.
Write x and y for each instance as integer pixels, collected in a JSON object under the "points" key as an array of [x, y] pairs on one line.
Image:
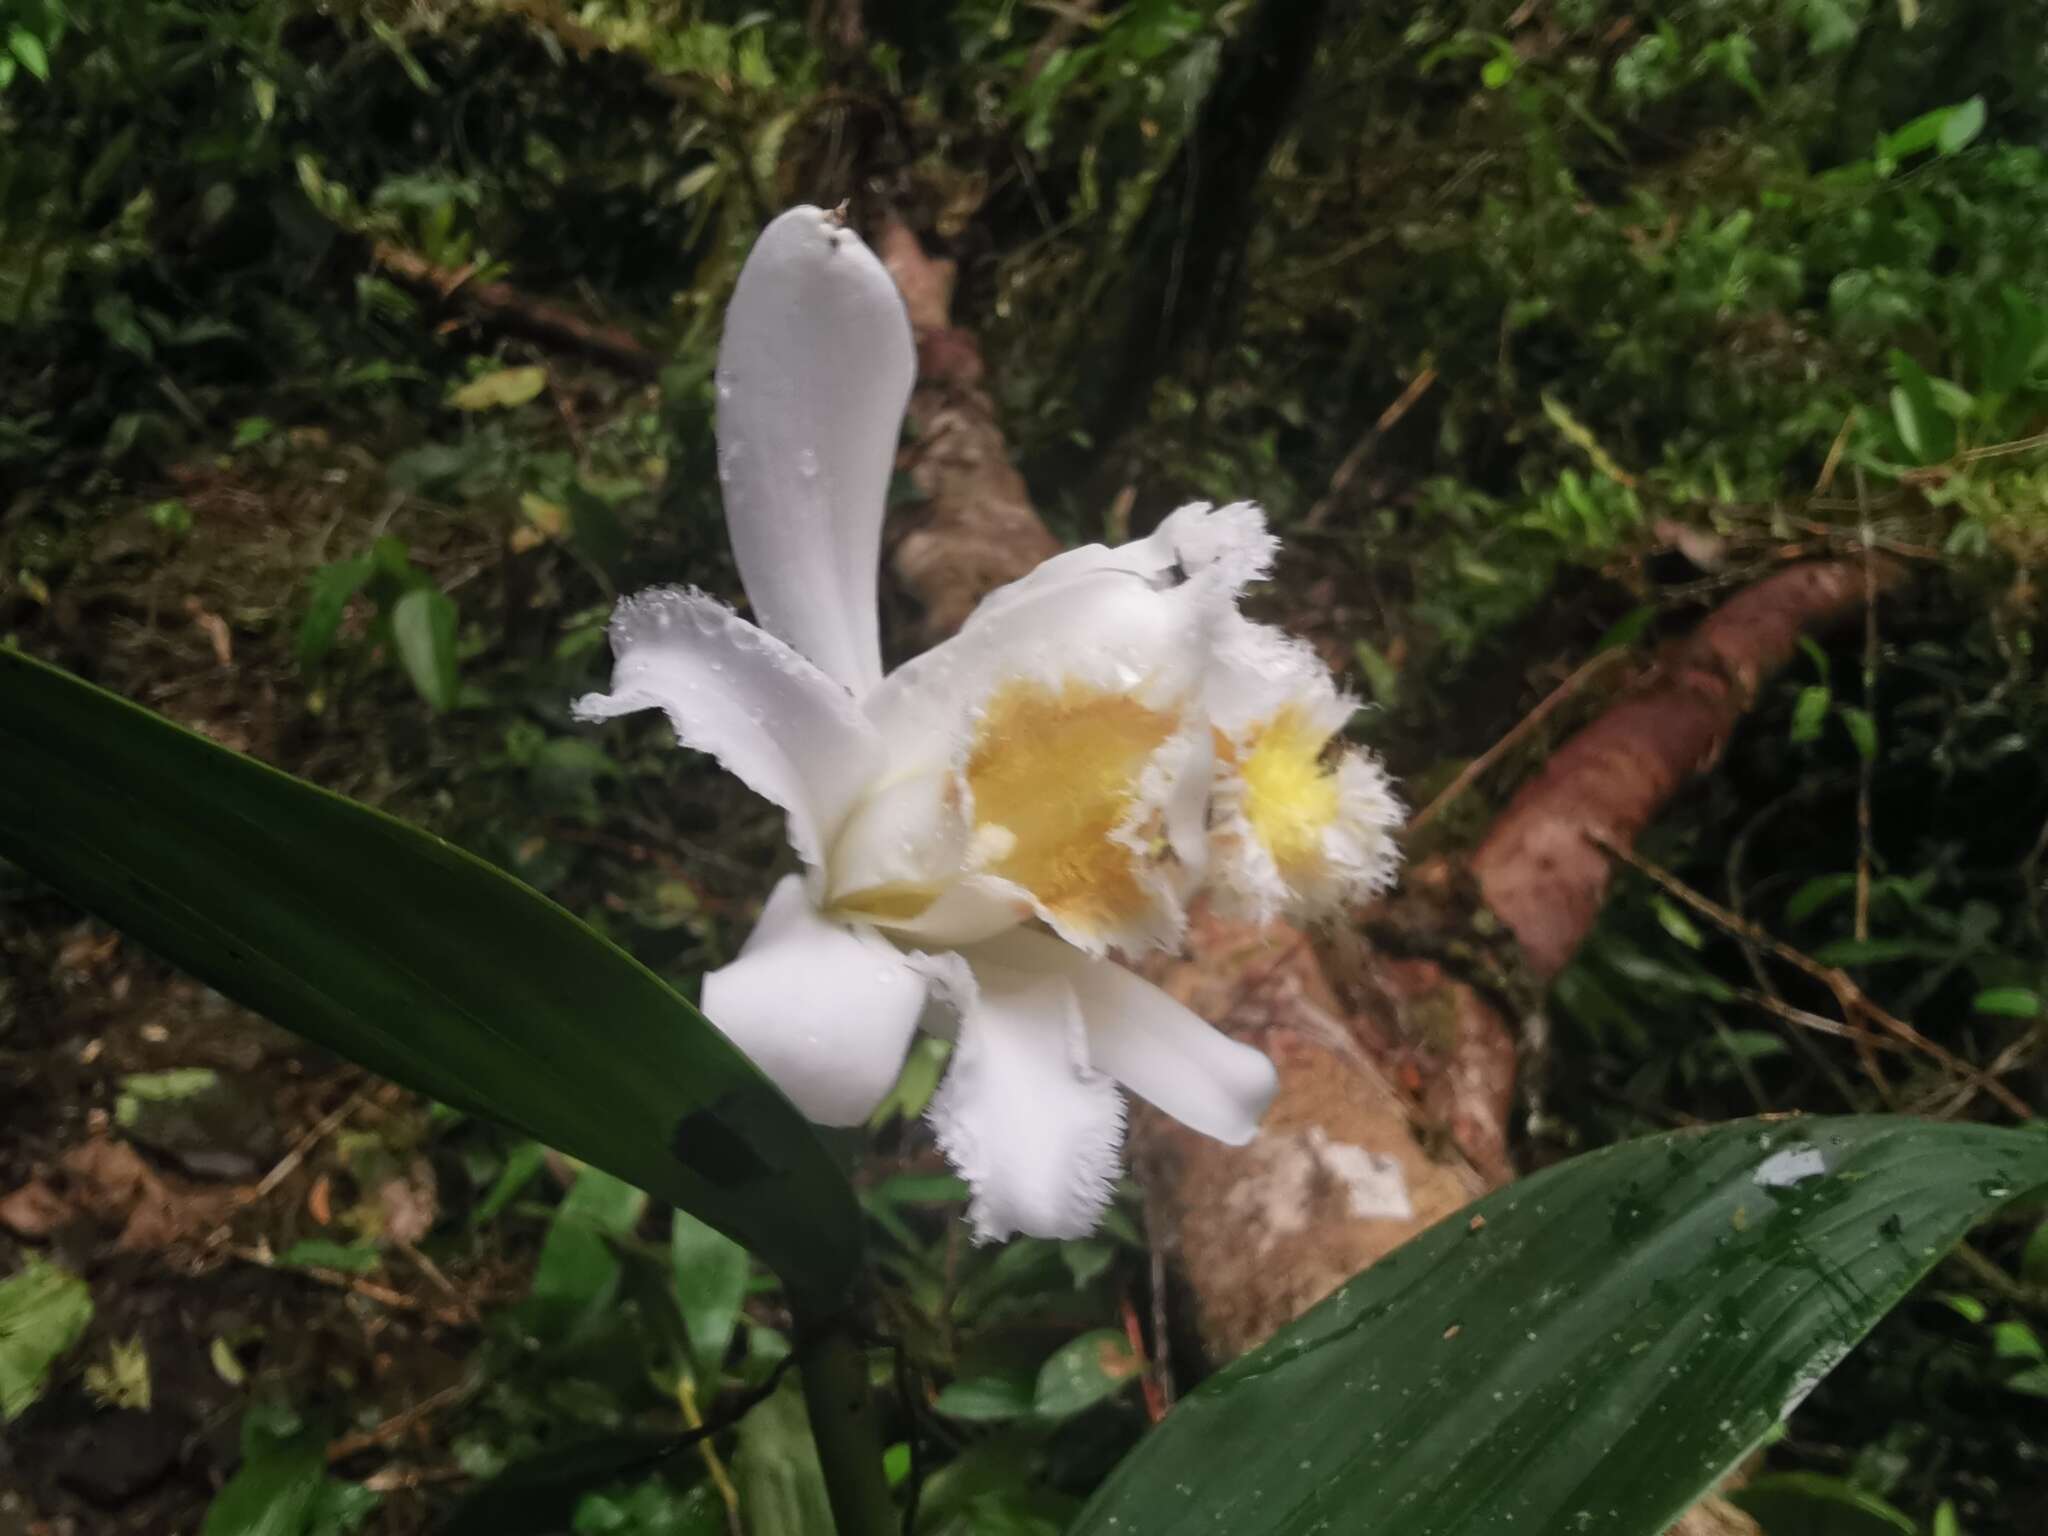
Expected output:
{"points": [[1054, 772], [1290, 795], [900, 901]]}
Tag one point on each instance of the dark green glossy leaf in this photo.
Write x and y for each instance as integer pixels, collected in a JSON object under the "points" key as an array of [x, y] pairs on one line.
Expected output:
{"points": [[1084, 1371], [1616, 1333], [412, 957]]}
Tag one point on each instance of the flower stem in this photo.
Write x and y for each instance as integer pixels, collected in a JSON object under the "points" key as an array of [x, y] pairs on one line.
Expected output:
{"points": [[845, 1425]]}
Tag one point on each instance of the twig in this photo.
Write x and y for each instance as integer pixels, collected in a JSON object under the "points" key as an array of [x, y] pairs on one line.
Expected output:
{"points": [[432, 1271], [1354, 461], [370, 1290], [1517, 735], [1856, 1005], [1155, 1400], [506, 307], [1826, 481], [399, 1423], [324, 1127]]}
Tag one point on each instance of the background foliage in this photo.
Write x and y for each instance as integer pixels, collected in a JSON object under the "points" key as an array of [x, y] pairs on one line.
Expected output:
{"points": [[1670, 291]]}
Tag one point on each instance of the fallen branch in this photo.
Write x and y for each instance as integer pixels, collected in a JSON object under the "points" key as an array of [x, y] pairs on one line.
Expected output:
{"points": [[505, 308]]}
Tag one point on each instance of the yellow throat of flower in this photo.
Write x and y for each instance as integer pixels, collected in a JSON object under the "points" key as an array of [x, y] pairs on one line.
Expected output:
{"points": [[1055, 771], [1290, 795]]}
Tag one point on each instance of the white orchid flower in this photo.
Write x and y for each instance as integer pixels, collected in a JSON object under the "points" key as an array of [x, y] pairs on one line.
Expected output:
{"points": [[980, 827]]}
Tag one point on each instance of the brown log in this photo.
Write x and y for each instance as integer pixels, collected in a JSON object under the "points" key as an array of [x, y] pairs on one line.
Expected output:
{"points": [[1540, 865], [974, 528]]}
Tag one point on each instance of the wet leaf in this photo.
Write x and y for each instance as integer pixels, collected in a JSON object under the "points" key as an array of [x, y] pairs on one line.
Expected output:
{"points": [[43, 1310], [412, 957], [1593, 1357], [1085, 1371]]}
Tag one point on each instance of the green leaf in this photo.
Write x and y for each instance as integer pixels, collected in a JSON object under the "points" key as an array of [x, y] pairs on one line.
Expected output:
{"points": [[1926, 431], [1960, 126], [1862, 730], [1811, 1504], [423, 624], [536, 1497], [1820, 891], [987, 1399], [43, 1310], [422, 962], [324, 1253], [273, 1492], [1673, 920], [782, 1487], [506, 387], [578, 1273], [1084, 1371], [521, 1164], [1591, 1357], [1810, 712], [2034, 1257], [711, 1281], [332, 587], [28, 48], [2008, 1002]]}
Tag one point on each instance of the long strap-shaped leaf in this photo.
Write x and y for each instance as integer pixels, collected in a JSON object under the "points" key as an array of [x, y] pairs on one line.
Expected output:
{"points": [[404, 953], [1582, 1353]]}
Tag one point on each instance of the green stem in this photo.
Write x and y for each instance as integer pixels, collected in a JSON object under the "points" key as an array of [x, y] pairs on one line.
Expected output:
{"points": [[844, 1424]]}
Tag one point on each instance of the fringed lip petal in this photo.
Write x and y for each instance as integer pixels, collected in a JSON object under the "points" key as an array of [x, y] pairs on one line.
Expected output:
{"points": [[1036, 1132], [1163, 1052], [788, 731], [826, 1010], [814, 371]]}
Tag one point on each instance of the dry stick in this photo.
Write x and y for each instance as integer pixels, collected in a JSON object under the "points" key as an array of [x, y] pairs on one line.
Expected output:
{"points": [[370, 1290], [1354, 461], [1854, 1002], [322, 1129], [1552, 701], [399, 1423]]}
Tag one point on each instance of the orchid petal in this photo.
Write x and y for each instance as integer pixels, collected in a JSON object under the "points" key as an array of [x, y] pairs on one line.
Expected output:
{"points": [[814, 371], [770, 717], [825, 1010], [1033, 1129], [1165, 1053]]}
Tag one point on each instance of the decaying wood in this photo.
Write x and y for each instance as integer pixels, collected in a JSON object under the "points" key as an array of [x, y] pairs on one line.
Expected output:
{"points": [[974, 527], [1540, 864]]}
